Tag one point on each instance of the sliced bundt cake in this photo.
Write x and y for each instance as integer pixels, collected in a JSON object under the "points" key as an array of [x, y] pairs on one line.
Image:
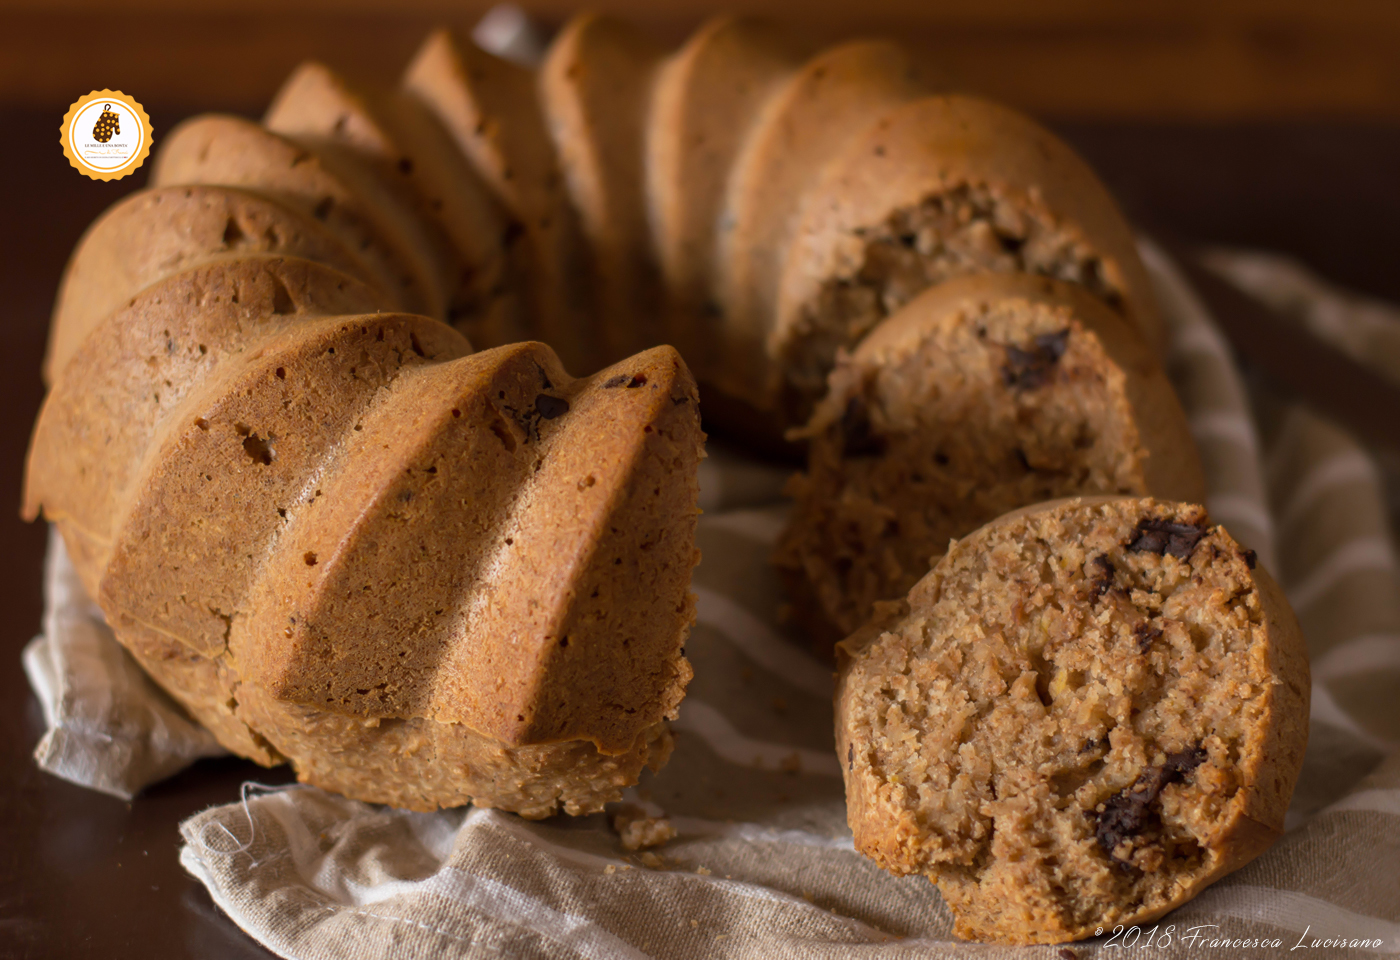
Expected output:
{"points": [[426, 575]]}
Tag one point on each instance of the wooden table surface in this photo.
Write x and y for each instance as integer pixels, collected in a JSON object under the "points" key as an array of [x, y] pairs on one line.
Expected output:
{"points": [[85, 875]]}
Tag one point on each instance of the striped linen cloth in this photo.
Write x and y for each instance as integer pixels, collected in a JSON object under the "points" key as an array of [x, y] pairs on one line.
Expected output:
{"points": [[762, 865]]}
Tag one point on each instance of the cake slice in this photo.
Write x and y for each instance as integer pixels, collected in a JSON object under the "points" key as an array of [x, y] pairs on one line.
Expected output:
{"points": [[490, 107], [153, 234], [706, 97], [326, 184], [933, 189], [1085, 714], [804, 124], [982, 394], [414, 157], [595, 84]]}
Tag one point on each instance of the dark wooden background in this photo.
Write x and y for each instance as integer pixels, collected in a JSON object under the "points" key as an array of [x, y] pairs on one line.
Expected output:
{"points": [[1270, 124], [1165, 59]]}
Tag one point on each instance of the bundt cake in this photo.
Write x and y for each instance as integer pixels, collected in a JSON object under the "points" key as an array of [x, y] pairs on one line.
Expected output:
{"points": [[425, 575], [1088, 711], [982, 394]]}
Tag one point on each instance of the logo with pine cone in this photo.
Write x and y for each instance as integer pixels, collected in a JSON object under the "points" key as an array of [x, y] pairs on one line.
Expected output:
{"points": [[106, 135]]}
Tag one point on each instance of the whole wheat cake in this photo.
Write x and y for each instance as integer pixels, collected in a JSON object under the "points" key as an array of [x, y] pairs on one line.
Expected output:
{"points": [[982, 394], [1085, 714]]}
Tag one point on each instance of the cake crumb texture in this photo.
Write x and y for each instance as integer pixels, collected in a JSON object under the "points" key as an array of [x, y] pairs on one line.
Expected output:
{"points": [[1085, 714]]}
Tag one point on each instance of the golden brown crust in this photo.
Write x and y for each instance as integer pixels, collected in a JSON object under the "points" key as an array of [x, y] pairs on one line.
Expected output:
{"points": [[325, 183], [111, 397], [490, 108], [415, 158], [155, 233], [247, 438], [706, 97], [595, 84], [552, 607], [1033, 839], [797, 132]]}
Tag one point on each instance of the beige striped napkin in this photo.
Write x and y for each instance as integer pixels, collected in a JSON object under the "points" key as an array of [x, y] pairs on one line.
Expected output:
{"points": [[762, 864]]}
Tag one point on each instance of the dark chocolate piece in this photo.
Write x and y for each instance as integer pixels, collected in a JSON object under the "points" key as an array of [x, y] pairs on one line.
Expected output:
{"points": [[1146, 634], [1164, 537], [1129, 812], [1029, 369]]}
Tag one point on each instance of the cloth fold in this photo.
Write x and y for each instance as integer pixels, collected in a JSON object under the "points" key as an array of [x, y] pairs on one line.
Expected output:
{"points": [[762, 863], [110, 727]]}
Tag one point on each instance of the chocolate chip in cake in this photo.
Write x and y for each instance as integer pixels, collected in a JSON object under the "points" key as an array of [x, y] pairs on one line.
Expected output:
{"points": [[1129, 813], [1185, 762], [1164, 537], [1146, 634], [1124, 816], [1028, 369]]}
